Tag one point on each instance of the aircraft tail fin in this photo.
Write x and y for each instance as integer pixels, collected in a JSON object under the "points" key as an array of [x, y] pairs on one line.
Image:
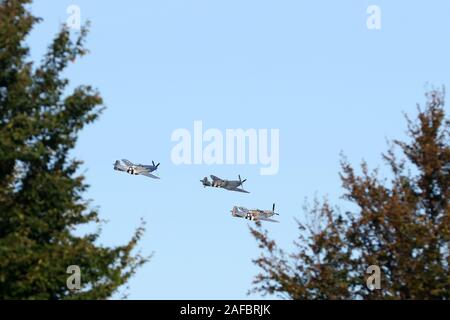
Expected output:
{"points": [[205, 182], [234, 211]]}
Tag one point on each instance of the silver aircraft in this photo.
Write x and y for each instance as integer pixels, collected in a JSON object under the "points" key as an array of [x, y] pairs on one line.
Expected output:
{"points": [[254, 214], [136, 169], [231, 185]]}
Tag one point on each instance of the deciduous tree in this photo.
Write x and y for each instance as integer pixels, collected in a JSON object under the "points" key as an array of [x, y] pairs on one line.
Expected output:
{"points": [[400, 223]]}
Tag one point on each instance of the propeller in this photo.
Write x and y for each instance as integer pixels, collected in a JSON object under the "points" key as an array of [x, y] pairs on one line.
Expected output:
{"points": [[155, 165], [273, 210], [242, 181]]}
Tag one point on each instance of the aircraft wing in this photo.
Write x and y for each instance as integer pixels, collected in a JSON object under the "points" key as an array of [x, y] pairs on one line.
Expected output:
{"points": [[148, 174], [127, 162], [240, 190], [214, 178], [267, 219]]}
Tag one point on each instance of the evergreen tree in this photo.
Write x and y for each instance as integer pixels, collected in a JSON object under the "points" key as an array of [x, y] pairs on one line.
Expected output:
{"points": [[41, 195], [400, 224]]}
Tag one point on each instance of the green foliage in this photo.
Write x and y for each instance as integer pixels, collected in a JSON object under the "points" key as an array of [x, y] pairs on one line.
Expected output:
{"points": [[41, 196], [402, 226]]}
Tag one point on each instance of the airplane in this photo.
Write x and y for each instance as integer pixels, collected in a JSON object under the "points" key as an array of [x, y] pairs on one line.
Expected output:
{"points": [[231, 185], [254, 214], [136, 169]]}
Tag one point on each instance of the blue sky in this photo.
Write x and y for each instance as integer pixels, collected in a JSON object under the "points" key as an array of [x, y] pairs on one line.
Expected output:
{"points": [[311, 69]]}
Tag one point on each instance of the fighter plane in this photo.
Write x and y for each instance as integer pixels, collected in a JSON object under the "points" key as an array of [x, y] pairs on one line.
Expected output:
{"points": [[136, 169], [231, 185], [254, 214]]}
